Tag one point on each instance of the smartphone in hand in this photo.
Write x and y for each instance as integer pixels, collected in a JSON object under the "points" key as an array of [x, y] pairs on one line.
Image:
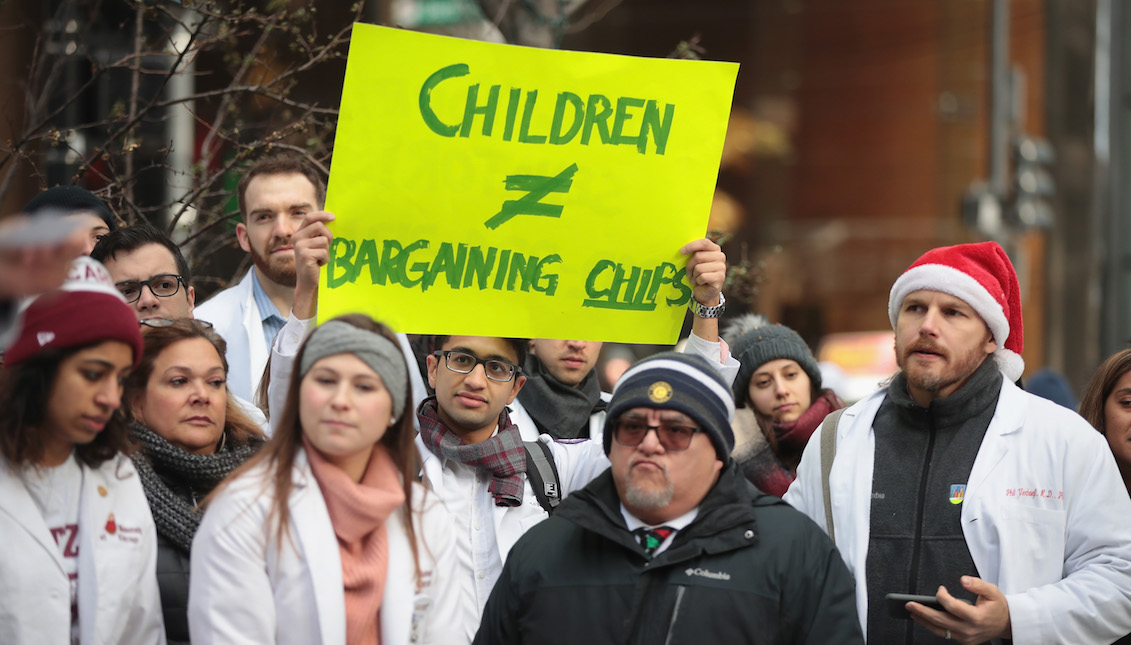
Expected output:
{"points": [[897, 604]]}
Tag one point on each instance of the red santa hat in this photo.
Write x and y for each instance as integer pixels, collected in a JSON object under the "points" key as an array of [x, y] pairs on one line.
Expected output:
{"points": [[982, 276]]}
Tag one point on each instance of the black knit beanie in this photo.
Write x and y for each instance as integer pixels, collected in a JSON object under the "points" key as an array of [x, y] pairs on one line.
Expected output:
{"points": [[674, 381], [69, 199], [758, 343]]}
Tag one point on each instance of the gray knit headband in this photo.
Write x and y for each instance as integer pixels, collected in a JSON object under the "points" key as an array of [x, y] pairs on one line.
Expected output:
{"points": [[379, 353]]}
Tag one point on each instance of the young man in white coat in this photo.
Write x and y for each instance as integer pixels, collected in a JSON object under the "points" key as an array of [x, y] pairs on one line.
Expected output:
{"points": [[275, 196], [952, 482], [473, 458]]}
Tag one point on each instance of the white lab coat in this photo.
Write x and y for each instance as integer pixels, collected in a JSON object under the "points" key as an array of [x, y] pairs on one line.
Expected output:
{"points": [[244, 589], [235, 316], [578, 464], [467, 498], [117, 593], [1045, 515]]}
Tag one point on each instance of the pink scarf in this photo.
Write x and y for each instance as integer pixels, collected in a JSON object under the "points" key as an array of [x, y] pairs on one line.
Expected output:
{"points": [[358, 511]]}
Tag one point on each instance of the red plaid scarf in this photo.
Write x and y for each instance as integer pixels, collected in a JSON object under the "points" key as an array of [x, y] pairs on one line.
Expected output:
{"points": [[502, 454]]}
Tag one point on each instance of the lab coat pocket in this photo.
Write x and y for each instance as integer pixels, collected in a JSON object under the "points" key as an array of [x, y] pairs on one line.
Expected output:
{"points": [[1029, 536]]}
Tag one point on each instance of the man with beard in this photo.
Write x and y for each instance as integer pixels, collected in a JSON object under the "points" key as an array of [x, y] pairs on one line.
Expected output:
{"points": [[275, 196], [954, 483], [671, 544], [562, 396]]}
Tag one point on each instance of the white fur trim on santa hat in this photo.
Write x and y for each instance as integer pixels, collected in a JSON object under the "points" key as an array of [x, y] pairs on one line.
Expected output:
{"points": [[1010, 363], [947, 279]]}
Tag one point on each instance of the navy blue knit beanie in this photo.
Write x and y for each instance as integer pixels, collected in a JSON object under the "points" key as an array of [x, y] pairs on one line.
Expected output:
{"points": [[69, 199], [673, 381]]}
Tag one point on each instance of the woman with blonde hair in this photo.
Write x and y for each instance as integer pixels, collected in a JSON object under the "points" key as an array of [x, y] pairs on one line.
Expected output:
{"points": [[192, 435], [324, 536]]}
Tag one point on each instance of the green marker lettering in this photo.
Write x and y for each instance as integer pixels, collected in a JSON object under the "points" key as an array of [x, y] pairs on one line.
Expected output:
{"points": [[420, 267], [660, 129], [487, 111], [341, 254], [608, 298], [367, 254], [623, 104], [659, 278], [479, 267], [512, 112], [597, 112], [642, 287], [501, 274], [564, 99], [551, 279], [430, 119], [524, 135]]}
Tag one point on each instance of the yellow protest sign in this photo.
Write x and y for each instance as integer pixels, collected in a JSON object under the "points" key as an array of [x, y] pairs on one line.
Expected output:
{"points": [[486, 189]]}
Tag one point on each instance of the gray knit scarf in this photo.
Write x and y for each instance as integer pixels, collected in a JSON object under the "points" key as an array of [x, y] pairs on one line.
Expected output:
{"points": [[559, 410], [175, 480]]}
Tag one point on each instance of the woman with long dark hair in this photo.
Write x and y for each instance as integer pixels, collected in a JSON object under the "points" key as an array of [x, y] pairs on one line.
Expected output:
{"points": [[192, 435], [323, 537], [79, 544], [1107, 406]]}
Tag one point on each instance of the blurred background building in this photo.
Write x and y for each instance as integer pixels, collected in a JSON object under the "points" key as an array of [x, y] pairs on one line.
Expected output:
{"points": [[862, 134]]}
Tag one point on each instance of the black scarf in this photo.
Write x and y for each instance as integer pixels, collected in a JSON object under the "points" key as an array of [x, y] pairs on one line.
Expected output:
{"points": [[559, 410], [174, 479]]}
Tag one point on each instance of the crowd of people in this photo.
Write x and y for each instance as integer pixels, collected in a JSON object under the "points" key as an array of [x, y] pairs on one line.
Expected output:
{"points": [[240, 471]]}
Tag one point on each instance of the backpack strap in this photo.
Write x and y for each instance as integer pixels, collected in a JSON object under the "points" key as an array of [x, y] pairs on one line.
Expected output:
{"points": [[828, 453], [542, 472]]}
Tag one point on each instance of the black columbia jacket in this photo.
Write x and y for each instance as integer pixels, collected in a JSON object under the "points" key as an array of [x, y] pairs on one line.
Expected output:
{"points": [[749, 569]]}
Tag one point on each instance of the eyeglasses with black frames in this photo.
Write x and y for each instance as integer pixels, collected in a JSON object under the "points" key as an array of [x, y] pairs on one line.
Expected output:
{"points": [[162, 286], [630, 431], [464, 363]]}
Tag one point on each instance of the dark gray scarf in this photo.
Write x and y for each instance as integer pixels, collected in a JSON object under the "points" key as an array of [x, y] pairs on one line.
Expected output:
{"points": [[559, 410], [174, 480]]}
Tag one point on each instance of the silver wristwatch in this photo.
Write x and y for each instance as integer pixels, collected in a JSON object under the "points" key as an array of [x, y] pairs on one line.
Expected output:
{"points": [[709, 312]]}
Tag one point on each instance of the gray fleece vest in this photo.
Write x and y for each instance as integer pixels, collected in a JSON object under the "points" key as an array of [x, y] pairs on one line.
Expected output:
{"points": [[923, 460]]}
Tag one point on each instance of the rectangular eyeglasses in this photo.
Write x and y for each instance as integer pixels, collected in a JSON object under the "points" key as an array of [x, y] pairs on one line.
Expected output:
{"points": [[464, 363]]}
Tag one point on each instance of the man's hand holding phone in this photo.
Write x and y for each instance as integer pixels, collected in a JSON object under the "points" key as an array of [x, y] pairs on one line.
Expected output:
{"points": [[986, 619]]}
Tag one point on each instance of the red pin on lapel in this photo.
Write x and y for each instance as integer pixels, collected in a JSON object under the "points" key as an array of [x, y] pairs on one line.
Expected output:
{"points": [[111, 526]]}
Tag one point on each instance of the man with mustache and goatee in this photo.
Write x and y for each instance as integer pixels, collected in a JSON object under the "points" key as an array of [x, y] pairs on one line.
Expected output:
{"points": [[671, 544], [275, 195], [953, 483]]}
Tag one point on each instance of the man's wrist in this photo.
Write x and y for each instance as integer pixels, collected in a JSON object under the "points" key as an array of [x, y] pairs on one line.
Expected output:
{"points": [[713, 311]]}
